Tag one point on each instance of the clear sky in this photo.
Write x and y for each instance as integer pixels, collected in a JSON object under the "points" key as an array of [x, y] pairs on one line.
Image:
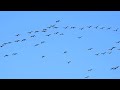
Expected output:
{"points": [[77, 63]]}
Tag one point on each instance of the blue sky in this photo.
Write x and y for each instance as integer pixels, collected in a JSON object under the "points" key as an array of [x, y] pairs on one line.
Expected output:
{"points": [[29, 64]]}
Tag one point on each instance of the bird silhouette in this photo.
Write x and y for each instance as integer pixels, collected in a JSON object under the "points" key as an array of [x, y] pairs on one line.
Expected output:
{"points": [[36, 45], [89, 26], [97, 54], [96, 27], [81, 28], [30, 32], [36, 31], [61, 34], [42, 42], [69, 62], [65, 51], [118, 42], [17, 40], [112, 48], [108, 28], [43, 56], [56, 33], [48, 35], [57, 21], [103, 53], [87, 77], [66, 27], [23, 40], [17, 35], [6, 55], [90, 69], [14, 53], [116, 29], [33, 36], [102, 27], [90, 48], [80, 37]]}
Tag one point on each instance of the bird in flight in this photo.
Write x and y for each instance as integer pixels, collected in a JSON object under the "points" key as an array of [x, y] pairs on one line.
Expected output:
{"points": [[97, 54], [116, 29], [36, 31], [6, 55], [114, 68], [102, 27], [103, 53], [17, 40], [9, 42], [108, 28], [43, 56], [57, 21], [32, 36], [42, 42], [56, 33], [48, 35], [14, 53], [118, 42], [66, 27], [87, 77], [80, 37], [61, 34], [89, 26], [44, 30], [96, 27], [30, 32], [23, 39], [81, 28], [55, 27], [36, 44], [73, 27], [65, 51], [69, 62], [90, 69], [112, 48], [17, 35], [90, 48]]}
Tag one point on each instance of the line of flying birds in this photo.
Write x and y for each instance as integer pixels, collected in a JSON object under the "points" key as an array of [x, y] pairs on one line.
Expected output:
{"points": [[66, 27]]}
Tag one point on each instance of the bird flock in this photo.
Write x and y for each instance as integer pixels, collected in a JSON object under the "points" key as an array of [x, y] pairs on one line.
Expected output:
{"points": [[33, 34]]}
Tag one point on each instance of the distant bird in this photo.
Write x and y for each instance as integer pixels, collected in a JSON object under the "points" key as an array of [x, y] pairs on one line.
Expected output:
{"points": [[44, 30], [14, 53], [80, 37], [116, 29], [48, 35], [90, 48], [103, 53], [118, 49], [97, 54], [96, 27], [114, 68], [61, 34], [102, 27], [66, 27], [52, 25], [49, 27], [1, 45], [56, 33], [73, 27], [36, 31], [17, 40], [90, 69], [17, 35], [32, 36], [9, 42], [65, 51], [89, 26], [6, 55], [118, 42], [43, 56], [42, 42], [4, 43], [112, 48], [55, 27], [82, 28], [57, 21], [36, 44], [87, 77], [109, 28], [30, 32], [109, 52], [69, 62], [23, 40]]}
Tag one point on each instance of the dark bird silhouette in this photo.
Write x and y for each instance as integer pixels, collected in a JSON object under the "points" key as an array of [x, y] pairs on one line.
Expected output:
{"points": [[17, 35], [97, 54], [118, 42], [89, 26], [36, 31], [90, 48], [80, 37], [30, 32], [6, 55], [55, 27], [61, 34], [42, 42], [114, 68], [73, 27], [44, 30], [116, 29], [112, 48], [66, 27], [32, 36], [52, 25], [81, 28], [23, 40], [1, 45], [14, 53], [108, 28], [87, 77], [36, 44], [57, 21], [102, 27], [65, 51], [96, 27], [49, 27], [109, 52], [56, 33], [48, 35], [103, 53], [69, 62], [90, 69], [17, 40], [43, 56], [9, 42], [4, 43]]}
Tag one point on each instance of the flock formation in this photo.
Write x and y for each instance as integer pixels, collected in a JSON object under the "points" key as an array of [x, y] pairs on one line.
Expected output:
{"points": [[32, 34]]}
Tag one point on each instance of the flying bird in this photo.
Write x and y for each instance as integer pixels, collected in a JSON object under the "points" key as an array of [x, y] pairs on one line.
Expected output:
{"points": [[69, 62], [109, 28], [23, 39], [36, 44], [43, 56], [17, 40], [89, 26], [90, 69], [14, 53], [87, 77], [103, 53], [17, 35], [57, 21], [61, 34], [102, 27], [56, 33], [73, 27], [116, 29], [79, 37], [82, 28], [65, 51], [42, 42], [32, 36], [118, 42], [96, 27], [30, 32], [66, 27], [36, 31], [112, 48], [6, 55], [90, 48], [48, 35], [97, 54]]}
